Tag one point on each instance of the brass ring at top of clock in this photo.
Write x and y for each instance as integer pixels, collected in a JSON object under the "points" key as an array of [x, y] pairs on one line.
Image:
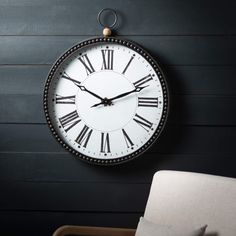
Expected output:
{"points": [[113, 13]]}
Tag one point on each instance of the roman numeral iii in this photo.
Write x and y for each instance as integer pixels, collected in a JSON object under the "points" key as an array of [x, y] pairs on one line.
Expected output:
{"points": [[147, 102], [142, 81], [70, 120], [143, 122], [87, 64], [107, 57], [84, 136], [105, 143], [65, 100]]}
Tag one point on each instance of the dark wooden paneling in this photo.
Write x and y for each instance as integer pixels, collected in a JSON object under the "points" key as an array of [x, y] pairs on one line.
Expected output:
{"points": [[171, 50], [89, 197], [203, 110], [65, 168], [21, 109], [203, 80], [191, 80], [40, 223], [185, 110], [43, 186], [174, 140], [25, 80], [27, 138], [71, 17]]}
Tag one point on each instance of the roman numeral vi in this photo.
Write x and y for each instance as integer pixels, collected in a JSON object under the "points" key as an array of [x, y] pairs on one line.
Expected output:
{"points": [[105, 143]]}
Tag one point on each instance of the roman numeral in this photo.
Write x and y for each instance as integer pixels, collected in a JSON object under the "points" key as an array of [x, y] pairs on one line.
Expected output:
{"points": [[84, 136], [107, 56], [105, 143], [147, 102], [70, 120], [143, 81], [87, 64], [143, 122], [65, 100], [127, 65], [66, 76], [128, 141]]}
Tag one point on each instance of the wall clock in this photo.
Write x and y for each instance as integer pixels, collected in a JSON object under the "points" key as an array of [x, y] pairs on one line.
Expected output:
{"points": [[106, 99]]}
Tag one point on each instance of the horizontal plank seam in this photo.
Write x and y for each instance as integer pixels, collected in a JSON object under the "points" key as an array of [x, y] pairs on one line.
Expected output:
{"points": [[148, 183], [169, 124], [169, 65], [68, 211], [68, 155], [230, 95], [121, 35], [40, 152]]}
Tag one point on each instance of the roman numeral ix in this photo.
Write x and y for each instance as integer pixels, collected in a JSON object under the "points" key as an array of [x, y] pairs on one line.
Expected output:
{"points": [[147, 102], [70, 120], [107, 56], [87, 64]]}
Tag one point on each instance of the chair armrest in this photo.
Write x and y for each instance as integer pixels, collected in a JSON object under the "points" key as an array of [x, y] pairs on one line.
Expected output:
{"points": [[92, 231]]}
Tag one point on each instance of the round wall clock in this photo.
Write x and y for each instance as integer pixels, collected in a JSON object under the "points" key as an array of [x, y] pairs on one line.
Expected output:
{"points": [[106, 100]]}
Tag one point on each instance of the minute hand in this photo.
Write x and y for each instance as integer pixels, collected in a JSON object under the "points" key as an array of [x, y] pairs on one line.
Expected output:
{"points": [[137, 89], [84, 89]]}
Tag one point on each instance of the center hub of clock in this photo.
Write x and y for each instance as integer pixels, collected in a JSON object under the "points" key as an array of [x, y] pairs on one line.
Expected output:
{"points": [[107, 102], [106, 114]]}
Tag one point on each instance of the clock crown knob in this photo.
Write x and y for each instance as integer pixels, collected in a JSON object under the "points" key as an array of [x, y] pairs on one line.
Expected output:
{"points": [[106, 32]]}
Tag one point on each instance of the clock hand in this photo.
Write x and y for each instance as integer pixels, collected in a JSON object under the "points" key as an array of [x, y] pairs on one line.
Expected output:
{"points": [[108, 101], [82, 88], [105, 102], [137, 89]]}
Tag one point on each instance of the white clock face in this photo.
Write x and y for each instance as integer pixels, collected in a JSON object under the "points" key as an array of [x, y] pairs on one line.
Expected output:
{"points": [[106, 102]]}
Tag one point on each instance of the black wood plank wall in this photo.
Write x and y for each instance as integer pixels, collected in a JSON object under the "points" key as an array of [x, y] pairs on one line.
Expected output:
{"points": [[42, 186]]}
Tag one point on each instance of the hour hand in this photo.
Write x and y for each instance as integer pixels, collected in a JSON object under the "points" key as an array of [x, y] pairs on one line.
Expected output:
{"points": [[108, 101], [105, 102]]}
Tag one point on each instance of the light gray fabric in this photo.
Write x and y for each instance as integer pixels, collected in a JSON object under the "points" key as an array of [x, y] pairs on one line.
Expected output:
{"points": [[185, 198], [147, 228]]}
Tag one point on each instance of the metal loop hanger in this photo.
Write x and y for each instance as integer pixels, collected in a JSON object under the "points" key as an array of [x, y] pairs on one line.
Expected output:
{"points": [[107, 28]]}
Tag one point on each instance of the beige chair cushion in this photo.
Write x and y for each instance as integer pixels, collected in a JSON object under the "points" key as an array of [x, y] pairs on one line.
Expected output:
{"points": [[147, 228], [185, 198]]}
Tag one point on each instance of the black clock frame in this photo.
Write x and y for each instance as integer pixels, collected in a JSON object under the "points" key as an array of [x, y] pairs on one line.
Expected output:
{"points": [[155, 66]]}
